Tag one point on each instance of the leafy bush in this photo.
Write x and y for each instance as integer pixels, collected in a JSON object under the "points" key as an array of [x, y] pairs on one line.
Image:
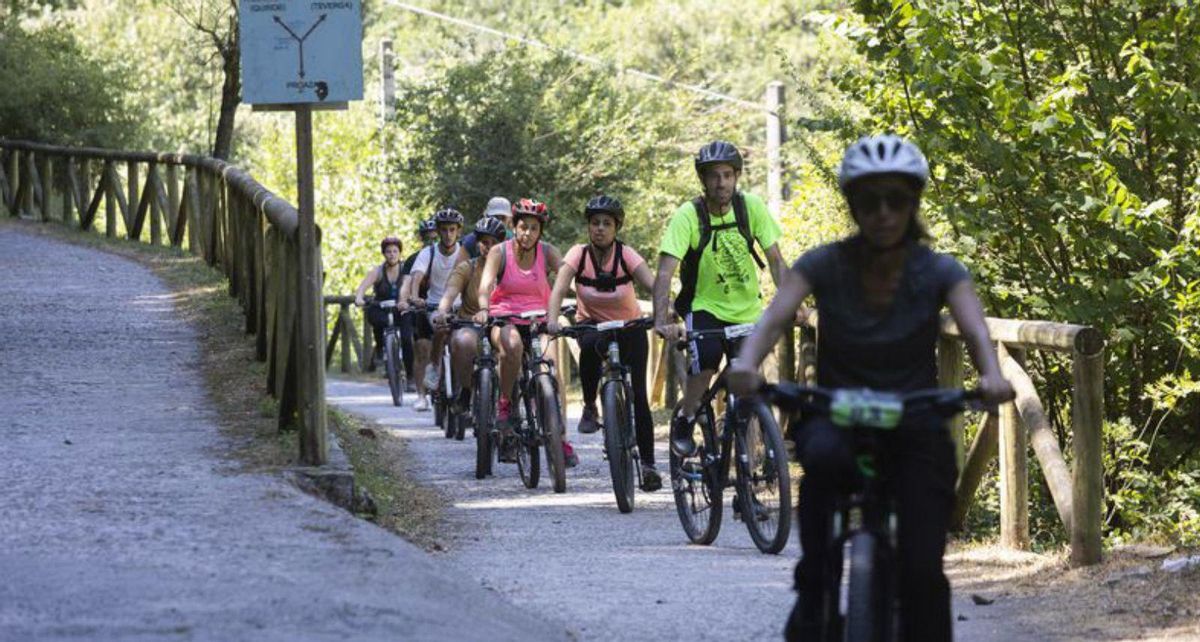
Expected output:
{"points": [[55, 92]]}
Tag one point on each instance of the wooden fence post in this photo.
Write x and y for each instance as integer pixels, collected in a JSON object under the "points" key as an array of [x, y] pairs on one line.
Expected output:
{"points": [[1014, 471], [950, 375], [1088, 475], [131, 175], [47, 175]]}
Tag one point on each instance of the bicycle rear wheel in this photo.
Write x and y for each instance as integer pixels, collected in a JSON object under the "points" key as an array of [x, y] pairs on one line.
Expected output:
{"points": [[860, 596], [763, 481], [551, 424], [620, 458], [696, 483], [395, 372], [529, 460], [484, 403]]}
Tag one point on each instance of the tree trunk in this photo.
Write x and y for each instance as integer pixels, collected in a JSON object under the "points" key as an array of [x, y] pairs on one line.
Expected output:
{"points": [[231, 96]]}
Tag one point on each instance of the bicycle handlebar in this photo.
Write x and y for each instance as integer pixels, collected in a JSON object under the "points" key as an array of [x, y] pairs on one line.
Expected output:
{"points": [[580, 329], [867, 405]]}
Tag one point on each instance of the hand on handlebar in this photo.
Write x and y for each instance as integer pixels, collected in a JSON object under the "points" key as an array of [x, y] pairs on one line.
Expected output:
{"points": [[669, 331], [553, 327], [358, 300], [438, 318], [480, 317], [742, 379], [996, 389]]}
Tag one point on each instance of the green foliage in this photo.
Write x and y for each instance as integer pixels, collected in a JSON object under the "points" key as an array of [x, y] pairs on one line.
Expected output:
{"points": [[1146, 503], [1063, 141], [56, 91]]}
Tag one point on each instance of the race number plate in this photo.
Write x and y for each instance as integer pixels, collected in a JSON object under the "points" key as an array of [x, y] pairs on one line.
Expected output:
{"points": [[610, 325], [866, 408]]}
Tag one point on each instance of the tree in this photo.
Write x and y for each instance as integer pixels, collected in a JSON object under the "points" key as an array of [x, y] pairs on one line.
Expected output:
{"points": [[216, 22]]}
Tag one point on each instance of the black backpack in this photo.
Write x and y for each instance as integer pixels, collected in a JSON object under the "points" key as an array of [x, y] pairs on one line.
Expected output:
{"points": [[603, 281], [689, 271]]}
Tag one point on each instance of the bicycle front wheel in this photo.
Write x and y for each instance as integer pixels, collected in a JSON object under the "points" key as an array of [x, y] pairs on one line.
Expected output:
{"points": [[529, 460], [860, 600], [763, 481], [484, 403], [394, 370], [551, 424], [696, 482], [620, 458]]}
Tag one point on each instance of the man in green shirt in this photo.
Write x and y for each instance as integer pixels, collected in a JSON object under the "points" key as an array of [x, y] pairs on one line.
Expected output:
{"points": [[713, 236]]}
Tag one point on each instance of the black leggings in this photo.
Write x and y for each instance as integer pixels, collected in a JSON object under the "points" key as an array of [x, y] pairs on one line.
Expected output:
{"points": [[378, 319], [922, 473], [635, 353]]}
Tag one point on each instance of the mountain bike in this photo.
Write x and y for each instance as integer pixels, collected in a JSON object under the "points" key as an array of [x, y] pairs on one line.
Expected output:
{"points": [[616, 399], [484, 395], [539, 421], [446, 413], [861, 578], [392, 351], [748, 436]]}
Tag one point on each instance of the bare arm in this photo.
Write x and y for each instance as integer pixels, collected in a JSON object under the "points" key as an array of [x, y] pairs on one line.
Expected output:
{"points": [[371, 277], [487, 281], [662, 294], [644, 277], [968, 315], [553, 258], [776, 319], [777, 265], [566, 274]]}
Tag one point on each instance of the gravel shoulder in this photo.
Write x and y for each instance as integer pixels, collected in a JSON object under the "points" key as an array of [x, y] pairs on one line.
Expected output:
{"points": [[122, 516]]}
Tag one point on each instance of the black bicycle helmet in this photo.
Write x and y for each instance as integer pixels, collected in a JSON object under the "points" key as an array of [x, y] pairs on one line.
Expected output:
{"points": [[605, 204], [390, 240], [718, 151], [426, 226], [490, 226], [447, 215]]}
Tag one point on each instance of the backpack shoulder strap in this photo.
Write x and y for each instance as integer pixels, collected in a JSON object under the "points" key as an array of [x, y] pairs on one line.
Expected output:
{"points": [[703, 223], [742, 216]]}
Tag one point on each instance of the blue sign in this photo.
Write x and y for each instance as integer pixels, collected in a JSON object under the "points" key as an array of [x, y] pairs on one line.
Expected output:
{"points": [[301, 51]]}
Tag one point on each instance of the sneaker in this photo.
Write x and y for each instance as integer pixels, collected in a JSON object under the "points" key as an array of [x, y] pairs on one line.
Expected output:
{"points": [[683, 444], [589, 423], [760, 512], [431, 378], [508, 447], [651, 480], [422, 404], [569, 456]]}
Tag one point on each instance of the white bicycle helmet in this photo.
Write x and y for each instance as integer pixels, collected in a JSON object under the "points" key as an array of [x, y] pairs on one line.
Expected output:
{"points": [[886, 154]]}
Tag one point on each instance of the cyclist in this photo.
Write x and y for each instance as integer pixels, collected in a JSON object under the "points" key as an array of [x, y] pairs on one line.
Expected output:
{"points": [[603, 271], [385, 279], [499, 208], [431, 270], [713, 237], [427, 233], [464, 281], [879, 293], [516, 280]]}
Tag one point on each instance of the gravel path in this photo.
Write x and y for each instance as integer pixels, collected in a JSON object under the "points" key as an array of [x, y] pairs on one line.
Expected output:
{"points": [[120, 520], [579, 562]]}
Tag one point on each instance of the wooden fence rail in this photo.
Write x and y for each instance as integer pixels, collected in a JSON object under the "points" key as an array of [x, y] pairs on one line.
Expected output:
{"points": [[221, 214]]}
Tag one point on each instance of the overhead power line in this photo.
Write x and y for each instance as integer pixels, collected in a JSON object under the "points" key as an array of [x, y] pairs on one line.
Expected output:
{"points": [[591, 60]]}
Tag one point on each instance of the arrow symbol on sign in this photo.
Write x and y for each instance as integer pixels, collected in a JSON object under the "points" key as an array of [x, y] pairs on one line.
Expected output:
{"points": [[300, 39]]}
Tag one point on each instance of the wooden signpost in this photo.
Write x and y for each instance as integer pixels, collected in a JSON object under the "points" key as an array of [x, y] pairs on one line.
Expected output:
{"points": [[301, 56]]}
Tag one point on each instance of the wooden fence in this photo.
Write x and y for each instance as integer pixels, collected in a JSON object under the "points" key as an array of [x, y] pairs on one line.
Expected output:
{"points": [[221, 214]]}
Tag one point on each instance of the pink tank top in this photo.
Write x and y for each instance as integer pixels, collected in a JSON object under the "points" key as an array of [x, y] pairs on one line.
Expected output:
{"points": [[520, 290]]}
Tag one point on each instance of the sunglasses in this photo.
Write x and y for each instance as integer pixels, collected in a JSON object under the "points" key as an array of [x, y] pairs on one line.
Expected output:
{"points": [[867, 201]]}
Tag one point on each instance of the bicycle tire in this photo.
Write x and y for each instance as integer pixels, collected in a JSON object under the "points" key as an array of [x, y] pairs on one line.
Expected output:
{"points": [[484, 406], [394, 376], [763, 479], [620, 459], [859, 601], [696, 483], [551, 427], [529, 460]]}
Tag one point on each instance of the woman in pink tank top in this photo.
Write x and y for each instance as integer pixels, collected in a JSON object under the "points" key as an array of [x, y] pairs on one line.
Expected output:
{"points": [[523, 286]]}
